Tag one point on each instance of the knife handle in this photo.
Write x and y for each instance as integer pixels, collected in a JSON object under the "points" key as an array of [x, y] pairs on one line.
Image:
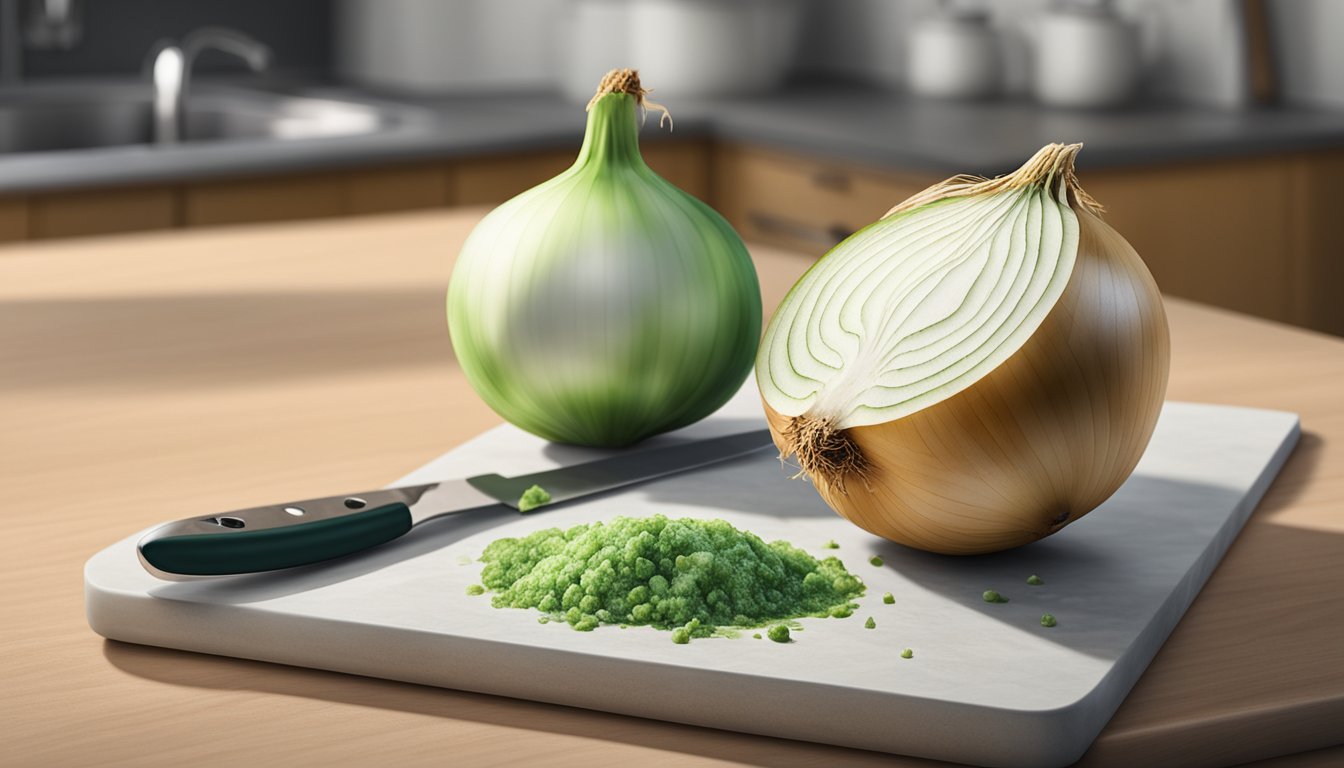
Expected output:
{"points": [[277, 536]]}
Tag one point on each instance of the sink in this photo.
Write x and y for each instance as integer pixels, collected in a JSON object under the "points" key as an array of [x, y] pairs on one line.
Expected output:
{"points": [[42, 118]]}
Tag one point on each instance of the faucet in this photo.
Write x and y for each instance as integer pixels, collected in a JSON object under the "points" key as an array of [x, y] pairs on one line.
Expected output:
{"points": [[171, 67]]}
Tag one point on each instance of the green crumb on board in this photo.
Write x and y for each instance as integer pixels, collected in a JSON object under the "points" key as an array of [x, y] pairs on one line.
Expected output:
{"points": [[888, 598], [991, 596], [870, 624], [682, 635], [532, 498], [757, 635], [686, 576], [875, 560], [907, 654], [475, 589], [1034, 580], [1048, 620], [830, 545], [779, 633]]}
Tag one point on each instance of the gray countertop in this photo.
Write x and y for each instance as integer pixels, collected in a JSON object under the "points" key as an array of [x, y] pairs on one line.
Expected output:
{"points": [[881, 129]]}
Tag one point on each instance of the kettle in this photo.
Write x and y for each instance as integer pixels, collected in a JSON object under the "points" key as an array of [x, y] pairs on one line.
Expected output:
{"points": [[1087, 56], [954, 54]]}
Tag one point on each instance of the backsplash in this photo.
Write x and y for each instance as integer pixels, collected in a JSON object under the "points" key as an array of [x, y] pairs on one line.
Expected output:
{"points": [[118, 34], [1194, 49]]}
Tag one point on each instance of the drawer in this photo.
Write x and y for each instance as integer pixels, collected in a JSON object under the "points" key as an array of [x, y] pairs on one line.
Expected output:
{"points": [[800, 203], [493, 179]]}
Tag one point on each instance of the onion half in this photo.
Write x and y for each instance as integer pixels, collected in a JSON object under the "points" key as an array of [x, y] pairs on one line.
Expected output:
{"points": [[977, 369]]}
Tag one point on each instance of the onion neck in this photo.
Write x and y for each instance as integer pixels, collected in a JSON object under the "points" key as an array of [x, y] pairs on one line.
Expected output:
{"points": [[612, 135], [1051, 167]]}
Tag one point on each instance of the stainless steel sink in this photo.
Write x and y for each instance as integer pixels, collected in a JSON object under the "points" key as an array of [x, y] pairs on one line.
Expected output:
{"points": [[41, 118]]}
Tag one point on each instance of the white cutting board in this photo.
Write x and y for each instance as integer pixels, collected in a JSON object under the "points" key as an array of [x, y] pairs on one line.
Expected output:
{"points": [[987, 685]]}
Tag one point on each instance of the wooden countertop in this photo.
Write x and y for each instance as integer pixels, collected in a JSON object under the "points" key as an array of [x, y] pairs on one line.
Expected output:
{"points": [[234, 367]]}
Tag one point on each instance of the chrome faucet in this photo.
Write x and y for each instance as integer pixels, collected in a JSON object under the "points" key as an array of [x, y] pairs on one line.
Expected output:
{"points": [[171, 68]]}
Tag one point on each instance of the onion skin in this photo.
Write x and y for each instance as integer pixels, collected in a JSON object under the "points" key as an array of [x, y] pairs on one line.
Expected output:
{"points": [[1039, 441], [605, 305]]}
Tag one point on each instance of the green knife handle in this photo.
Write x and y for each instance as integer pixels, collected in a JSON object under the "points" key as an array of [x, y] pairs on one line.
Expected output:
{"points": [[281, 536]]}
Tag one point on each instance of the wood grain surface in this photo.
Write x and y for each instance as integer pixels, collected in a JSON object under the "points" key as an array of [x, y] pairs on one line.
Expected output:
{"points": [[235, 367]]}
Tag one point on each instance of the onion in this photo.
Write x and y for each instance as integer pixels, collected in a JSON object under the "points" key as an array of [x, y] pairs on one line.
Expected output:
{"points": [[979, 368], [605, 305]]}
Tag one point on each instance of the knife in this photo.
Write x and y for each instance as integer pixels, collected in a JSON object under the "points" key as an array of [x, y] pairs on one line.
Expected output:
{"points": [[313, 530]]}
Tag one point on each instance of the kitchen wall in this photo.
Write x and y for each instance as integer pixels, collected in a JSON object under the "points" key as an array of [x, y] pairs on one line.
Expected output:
{"points": [[1194, 47], [1307, 35], [118, 34]]}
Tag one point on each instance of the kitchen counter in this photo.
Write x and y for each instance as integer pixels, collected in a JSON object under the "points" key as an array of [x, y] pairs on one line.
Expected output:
{"points": [[140, 385], [850, 123]]}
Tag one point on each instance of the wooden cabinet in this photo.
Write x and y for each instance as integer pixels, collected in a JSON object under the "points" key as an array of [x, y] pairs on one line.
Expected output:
{"points": [[1212, 232], [397, 189], [315, 196], [101, 212], [258, 200], [13, 220], [492, 180], [1262, 235], [1316, 234], [800, 203]]}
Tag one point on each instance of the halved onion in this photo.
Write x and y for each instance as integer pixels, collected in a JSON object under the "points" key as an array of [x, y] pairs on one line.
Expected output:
{"points": [[977, 369]]}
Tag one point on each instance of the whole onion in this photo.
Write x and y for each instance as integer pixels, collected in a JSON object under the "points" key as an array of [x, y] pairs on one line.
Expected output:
{"points": [[605, 305], [976, 370]]}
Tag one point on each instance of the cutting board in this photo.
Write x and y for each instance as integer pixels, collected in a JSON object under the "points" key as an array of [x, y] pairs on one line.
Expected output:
{"points": [[987, 683]]}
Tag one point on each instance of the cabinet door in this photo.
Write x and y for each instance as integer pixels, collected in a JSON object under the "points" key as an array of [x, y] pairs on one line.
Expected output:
{"points": [[13, 220], [1216, 232], [101, 212], [1318, 232], [801, 203], [492, 180], [255, 200], [684, 163], [396, 189]]}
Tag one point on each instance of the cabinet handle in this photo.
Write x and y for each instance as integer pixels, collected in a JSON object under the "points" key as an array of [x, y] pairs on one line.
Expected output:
{"points": [[783, 226]]}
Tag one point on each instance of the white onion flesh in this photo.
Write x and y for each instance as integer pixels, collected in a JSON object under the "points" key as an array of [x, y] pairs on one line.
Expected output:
{"points": [[914, 309]]}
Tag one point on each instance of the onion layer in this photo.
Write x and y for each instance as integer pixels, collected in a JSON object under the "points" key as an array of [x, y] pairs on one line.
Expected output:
{"points": [[976, 370]]}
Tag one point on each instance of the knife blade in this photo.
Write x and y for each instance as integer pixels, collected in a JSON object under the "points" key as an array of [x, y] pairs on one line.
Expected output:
{"points": [[310, 531]]}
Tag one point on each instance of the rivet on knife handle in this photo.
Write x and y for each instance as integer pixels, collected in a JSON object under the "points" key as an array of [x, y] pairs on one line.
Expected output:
{"points": [[304, 532], [280, 536]]}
